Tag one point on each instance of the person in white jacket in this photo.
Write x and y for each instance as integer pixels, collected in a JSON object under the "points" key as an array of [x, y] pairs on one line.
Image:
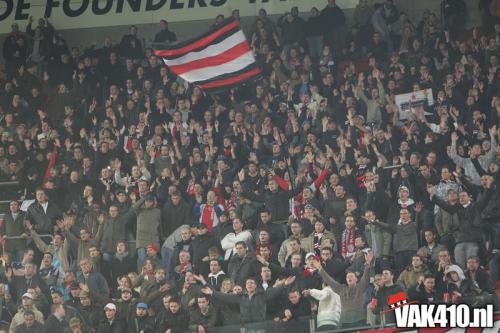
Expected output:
{"points": [[229, 241], [329, 307]]}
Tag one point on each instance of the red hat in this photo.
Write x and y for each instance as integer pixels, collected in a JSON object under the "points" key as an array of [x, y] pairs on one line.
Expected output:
{"points": [[153, 247]]}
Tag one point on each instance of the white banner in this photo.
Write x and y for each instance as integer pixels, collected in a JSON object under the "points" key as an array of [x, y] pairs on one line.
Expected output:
{"points": [[71, 14], [407, 102]]}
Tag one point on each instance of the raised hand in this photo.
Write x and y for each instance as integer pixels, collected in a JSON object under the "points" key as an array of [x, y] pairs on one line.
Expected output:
{"points": [[289, 280], [207, 291], [369, 257]]}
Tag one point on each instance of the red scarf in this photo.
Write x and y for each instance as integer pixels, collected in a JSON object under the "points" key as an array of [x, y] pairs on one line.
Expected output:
{"points": [[347, 245], [207, 216]]}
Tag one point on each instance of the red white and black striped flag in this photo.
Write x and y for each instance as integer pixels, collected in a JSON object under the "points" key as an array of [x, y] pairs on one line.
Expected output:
{"points": [[215, 61]]}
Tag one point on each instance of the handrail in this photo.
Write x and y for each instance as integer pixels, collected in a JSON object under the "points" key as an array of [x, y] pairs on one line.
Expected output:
{"points": [[20, 237], [11, 183]]}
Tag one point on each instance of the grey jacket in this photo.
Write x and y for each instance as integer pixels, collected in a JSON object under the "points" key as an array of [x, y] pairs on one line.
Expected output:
{"points": [[405, 235], [352, 299], [378, 239]]}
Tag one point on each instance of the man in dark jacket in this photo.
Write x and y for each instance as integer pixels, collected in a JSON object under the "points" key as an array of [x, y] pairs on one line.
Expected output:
{"points": [[201, 244], [242, 265], [111, 324], [43, 213], [13, 227], [165, 35], [203, 314], [296, 308], [475, 273], [175, 213], [253, 302], [94, 280], [276, 200], [469, 219], [176, 320], [141, 322], [389, 288], [425, 291], [30, 325], [56, 323], [122, 262]]}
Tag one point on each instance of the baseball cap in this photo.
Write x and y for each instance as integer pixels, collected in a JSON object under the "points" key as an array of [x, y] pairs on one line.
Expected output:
{"points": [[74, 286], [126, 290], [309, 255], [110, 306], [142, 306], [27, 295]]}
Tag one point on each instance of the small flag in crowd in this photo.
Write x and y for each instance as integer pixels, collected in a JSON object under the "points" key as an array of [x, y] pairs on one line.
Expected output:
{"points": [[215, 61], [397, 300]]}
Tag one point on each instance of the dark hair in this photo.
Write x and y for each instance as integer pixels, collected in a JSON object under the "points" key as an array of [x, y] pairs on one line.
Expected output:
{"points": [[242, 243], [29, 313]]}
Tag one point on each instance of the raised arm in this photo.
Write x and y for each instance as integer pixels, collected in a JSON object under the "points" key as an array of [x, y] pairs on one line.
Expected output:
{"points": [[337, 287]]}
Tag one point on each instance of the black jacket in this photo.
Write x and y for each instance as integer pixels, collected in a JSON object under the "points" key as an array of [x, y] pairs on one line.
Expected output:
{"points": [[252, 309], [36, 328], [54, 325], [173, 216], [201, 244], [43, 221], [118, 326], [177, 323], [276, 202], [468, 217], [240, 268]]}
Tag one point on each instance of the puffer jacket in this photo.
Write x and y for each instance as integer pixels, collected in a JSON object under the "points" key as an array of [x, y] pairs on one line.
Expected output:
{"points": [[148, 224]]}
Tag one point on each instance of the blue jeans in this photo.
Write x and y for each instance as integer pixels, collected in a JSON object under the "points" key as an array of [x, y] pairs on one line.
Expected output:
{"points": [[465, 250], [141, 258]]}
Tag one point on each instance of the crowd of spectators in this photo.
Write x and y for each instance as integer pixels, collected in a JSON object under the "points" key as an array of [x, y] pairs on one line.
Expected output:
{"points": [[145, 205]]}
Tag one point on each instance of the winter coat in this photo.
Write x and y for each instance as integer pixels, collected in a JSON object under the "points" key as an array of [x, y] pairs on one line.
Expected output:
{"points": [[43, 221], [201, 244], [406, 236], [177, 323], [117, 326], [378, 239], [19, 318], [13, 228], [95, 281], [276, 202], [208, 320], [240, 268], [252, 309], [148, 225], [54, 325], [174, 216], [36, 328], [469, 218], [114, 230]]}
